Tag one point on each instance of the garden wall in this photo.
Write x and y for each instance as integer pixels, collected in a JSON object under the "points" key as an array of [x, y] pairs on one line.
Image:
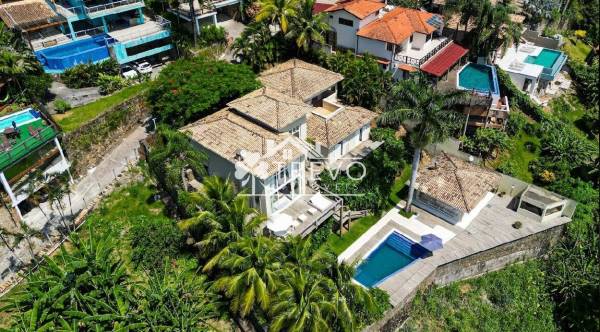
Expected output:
{"points": [[87, 145], [532, 246]]}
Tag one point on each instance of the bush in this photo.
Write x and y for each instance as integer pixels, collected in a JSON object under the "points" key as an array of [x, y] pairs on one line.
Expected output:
{"points": [[518, 98], [187, 90], [108, 84], [61, 106], [381, 302], [586, 81], [486, 142], [153, 240], [212, 34], [86, 75], [508, 167], [516, 122]]}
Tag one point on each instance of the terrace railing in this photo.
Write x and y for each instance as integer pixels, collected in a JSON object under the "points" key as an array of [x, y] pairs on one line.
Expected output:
{"points": [[419, 61], [110, 5], [89, 32]]}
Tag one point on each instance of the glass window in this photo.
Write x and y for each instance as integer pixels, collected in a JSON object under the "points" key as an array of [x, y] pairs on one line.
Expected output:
{"points": [[344, 21], [390, 47], [531, 208], [295, 131]]}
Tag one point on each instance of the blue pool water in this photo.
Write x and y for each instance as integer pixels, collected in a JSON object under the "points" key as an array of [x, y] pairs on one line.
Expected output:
{"points": [[395, 253], [61, 57], [481, 78], [546, 58], [18, 118]]}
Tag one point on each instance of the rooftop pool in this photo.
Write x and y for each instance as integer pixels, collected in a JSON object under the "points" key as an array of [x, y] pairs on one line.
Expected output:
{"points": [[20, 118], [546, 58], [481, 78], [61, 57], [393, 254]]}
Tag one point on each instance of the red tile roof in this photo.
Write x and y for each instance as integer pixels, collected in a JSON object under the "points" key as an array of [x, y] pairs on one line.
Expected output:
{"points": [[398, 25], [320, 7], [358, 8], [444, 60]]}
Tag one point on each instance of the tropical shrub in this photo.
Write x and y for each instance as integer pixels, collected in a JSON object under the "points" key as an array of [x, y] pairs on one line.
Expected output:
{"points": [[189, 89], [61, 106], [108, 84], [87, 74], [516, 122], [258, 48], [561, 143], [212, 34], [365, 83], [517, 97], [486, 142], [586, 81], [153, 240]]}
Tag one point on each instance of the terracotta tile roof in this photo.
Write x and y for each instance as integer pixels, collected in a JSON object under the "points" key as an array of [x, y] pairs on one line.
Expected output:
{"points": [[408, 67], [270, 107], [320, 7], [456, 182], [398, 25], [358, 8], [226, 134], [299, 79], [330, 131], [27, 14]]}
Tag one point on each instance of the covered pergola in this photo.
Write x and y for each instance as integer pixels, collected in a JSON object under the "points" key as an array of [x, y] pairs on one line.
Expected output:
{"points": [[442, 63]]}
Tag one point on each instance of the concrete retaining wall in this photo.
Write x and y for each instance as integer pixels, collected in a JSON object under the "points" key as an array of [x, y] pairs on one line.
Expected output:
{"points": [[86, 146], [532, 246]]}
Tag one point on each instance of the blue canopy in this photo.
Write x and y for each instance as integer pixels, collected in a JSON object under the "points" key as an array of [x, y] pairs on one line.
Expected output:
{"points": [[431, 242]]}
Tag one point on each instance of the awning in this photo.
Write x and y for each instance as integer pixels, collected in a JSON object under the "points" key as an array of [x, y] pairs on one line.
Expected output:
{"points": [[440, 63], [407, 68]]}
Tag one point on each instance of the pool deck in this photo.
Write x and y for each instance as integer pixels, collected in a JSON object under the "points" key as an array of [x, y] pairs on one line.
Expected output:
{"points": [[490, 228], [25, 143]]}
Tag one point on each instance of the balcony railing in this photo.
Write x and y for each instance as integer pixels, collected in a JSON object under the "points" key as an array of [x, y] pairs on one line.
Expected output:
{"points": [[110, 5], [89, 32], [417, 62]]}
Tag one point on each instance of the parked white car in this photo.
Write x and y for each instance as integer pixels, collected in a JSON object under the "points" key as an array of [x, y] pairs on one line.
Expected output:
{"points": [[130, 73], [144, 67]]}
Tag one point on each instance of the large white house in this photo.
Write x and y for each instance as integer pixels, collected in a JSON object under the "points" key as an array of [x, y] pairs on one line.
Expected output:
{"points": [[263, 142], [403, 40], [532, 68]]}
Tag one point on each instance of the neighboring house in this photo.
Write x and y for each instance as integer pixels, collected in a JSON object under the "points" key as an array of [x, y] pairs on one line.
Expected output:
{"points": [[65, 33], [260, 141], [532, 68], [456, 191], [30, 144], [206, 12], [403, 40]]}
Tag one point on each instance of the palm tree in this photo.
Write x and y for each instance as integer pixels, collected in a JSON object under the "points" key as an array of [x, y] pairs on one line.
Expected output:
{"points": [[278, 12], [430, 111], [494, 28], [225, 216], [306, 302], [13, 65], [466, 9], [249, 269], [308, 29]]}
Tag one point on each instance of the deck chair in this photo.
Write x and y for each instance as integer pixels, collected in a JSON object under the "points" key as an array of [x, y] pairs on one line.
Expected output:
{"points": [[34, 132]]}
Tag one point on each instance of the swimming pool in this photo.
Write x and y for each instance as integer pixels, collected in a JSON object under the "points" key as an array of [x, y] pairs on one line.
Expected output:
{"points": [[20, 118], [394, 253], [481, 78], [61, 57], [546, 58]]}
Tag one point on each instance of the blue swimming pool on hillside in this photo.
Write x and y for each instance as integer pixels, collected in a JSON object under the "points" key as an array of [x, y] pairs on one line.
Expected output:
{"points": [[61, 57], [394, 253], [19, 118], [481, 78], [546, 58]]}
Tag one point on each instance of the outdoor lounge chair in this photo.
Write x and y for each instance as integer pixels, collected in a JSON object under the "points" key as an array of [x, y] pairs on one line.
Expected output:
{"points": [[34, 132]]}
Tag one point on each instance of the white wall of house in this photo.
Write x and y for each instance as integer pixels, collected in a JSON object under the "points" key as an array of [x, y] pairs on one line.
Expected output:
{"points": [[296, 170], [419, 41], [345, 35], [519, 81], [374, 47], [342, 148]]}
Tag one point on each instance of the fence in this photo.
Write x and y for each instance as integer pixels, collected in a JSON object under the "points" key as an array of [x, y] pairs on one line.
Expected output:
{"points": [[110, 5]]}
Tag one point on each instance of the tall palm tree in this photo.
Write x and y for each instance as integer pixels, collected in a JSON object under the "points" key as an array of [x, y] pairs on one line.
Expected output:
{"points": [[278, 12], [494, 28], [13, 65], [305, 302], [249, 269], [430, 111], [224, 217], [308, 29]]}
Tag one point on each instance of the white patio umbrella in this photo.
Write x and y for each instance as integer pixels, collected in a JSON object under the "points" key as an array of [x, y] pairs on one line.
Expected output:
{"points": [[279, 223]]}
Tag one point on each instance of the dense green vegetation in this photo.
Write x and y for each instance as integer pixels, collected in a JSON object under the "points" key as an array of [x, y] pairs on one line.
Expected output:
{"points": [[89, 74], [189, 89], [513, 299]]}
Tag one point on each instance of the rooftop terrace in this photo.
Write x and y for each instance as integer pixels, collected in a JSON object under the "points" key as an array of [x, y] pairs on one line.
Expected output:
{"points": [[32, 133]]}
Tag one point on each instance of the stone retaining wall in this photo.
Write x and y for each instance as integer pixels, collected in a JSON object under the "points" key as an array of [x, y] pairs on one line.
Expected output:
{"points": [[87, 145], [532, 246]]}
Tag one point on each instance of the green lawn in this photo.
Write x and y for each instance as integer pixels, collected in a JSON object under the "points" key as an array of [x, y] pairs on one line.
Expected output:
{"points": [[525, 149], [338, 244], [576, 49], [398, 189], [78, 116]]}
